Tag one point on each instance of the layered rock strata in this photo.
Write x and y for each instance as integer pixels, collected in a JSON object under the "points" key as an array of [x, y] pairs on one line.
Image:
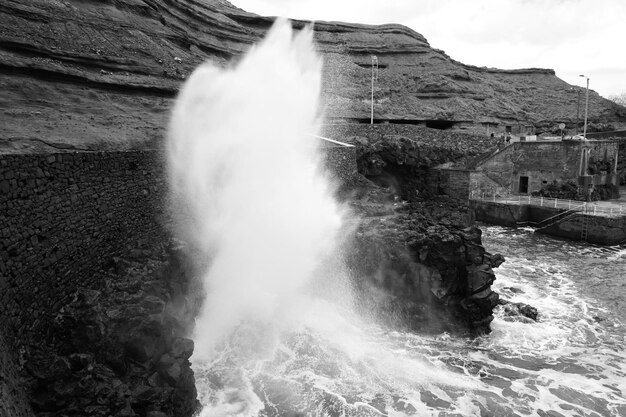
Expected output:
{"points": [[102, 75]]}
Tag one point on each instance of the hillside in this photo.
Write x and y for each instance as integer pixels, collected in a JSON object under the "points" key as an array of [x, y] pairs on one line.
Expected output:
{"points": [[87, 74]]}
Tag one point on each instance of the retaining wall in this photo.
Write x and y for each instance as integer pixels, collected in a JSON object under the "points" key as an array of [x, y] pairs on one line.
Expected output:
{"points": [[601, 230], [62, 217], [499, 213]]}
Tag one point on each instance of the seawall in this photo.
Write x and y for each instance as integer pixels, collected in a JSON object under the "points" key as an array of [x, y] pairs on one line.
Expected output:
{"points": [[601, 230], [64, 217]]}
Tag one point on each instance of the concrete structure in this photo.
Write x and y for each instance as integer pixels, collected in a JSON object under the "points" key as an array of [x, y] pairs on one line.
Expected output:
{"points": [[526, 167], [574, 222]]}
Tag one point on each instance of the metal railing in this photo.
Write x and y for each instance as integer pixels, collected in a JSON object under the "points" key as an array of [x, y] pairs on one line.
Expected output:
{"points": [[592, 208]]}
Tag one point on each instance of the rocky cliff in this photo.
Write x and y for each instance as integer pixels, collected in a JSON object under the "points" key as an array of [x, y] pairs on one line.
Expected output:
{"points": [[419, 259], [84, 74]]}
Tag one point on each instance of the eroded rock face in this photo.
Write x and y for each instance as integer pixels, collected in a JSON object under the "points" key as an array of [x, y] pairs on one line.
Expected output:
{"points": [[102, 75], [120, 349], [429, 276], [417, 256]]}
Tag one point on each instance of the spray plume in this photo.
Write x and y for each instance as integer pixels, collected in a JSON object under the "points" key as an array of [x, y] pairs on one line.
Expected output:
{"points": [[246, 183]]}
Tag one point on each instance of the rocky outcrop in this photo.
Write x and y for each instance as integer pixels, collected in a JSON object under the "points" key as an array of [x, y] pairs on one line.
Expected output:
{"points": [[401, 157], [518, 311], [421, 260], [432, 276], [103, 74]]}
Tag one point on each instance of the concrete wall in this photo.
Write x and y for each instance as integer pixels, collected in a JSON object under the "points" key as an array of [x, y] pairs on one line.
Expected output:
{"points": [[497, 213], [607, 135], [543, 162], [600, 230], [452, 182]]}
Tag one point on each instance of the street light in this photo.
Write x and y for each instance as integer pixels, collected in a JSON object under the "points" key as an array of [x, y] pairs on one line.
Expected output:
{"points": [[374, 75], [586, 106]]}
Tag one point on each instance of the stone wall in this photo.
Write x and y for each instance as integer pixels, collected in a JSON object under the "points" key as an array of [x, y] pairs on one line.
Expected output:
{"points": [[62, 217]]}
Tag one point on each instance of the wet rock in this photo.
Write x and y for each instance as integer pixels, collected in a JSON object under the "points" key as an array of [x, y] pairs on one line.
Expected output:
{"points": [[48, 367], [519, 310], [182, 348], [424, 254], [156, 414]]}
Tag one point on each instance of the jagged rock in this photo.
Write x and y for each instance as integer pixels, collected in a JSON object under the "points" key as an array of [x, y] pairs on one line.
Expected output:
{"points": [[48, 367], [424, 254], [519, 310], [182, 348], [156, 414]]}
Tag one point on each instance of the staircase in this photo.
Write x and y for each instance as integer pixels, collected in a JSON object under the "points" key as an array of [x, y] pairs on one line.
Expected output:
{"points": [[584, 228], [557, 218]]}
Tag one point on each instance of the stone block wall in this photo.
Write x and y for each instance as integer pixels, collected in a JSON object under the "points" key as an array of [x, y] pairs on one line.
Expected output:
{"points": [[62, 218], [457, 142]]}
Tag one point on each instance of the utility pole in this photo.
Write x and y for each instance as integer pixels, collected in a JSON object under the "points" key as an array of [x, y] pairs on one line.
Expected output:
{"points": [[374, 75], [586, 106]]}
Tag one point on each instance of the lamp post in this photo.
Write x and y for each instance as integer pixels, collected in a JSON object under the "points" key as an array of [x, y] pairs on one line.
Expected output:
{"points": [[374, 74], [586, 106]]}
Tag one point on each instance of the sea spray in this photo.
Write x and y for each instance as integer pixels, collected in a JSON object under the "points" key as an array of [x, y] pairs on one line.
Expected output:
{"points": [[246, 181], [275, 335]]}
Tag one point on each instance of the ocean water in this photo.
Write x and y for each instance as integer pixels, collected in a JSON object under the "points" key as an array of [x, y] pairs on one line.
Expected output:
{"points": [[571, 362], [277, 334]]}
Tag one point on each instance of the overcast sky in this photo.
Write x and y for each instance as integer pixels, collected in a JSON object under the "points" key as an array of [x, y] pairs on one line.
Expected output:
{"points": [[570, 36]]}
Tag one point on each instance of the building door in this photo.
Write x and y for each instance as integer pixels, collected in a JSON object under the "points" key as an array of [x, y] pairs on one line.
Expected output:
{"points": [[523, 185]]}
